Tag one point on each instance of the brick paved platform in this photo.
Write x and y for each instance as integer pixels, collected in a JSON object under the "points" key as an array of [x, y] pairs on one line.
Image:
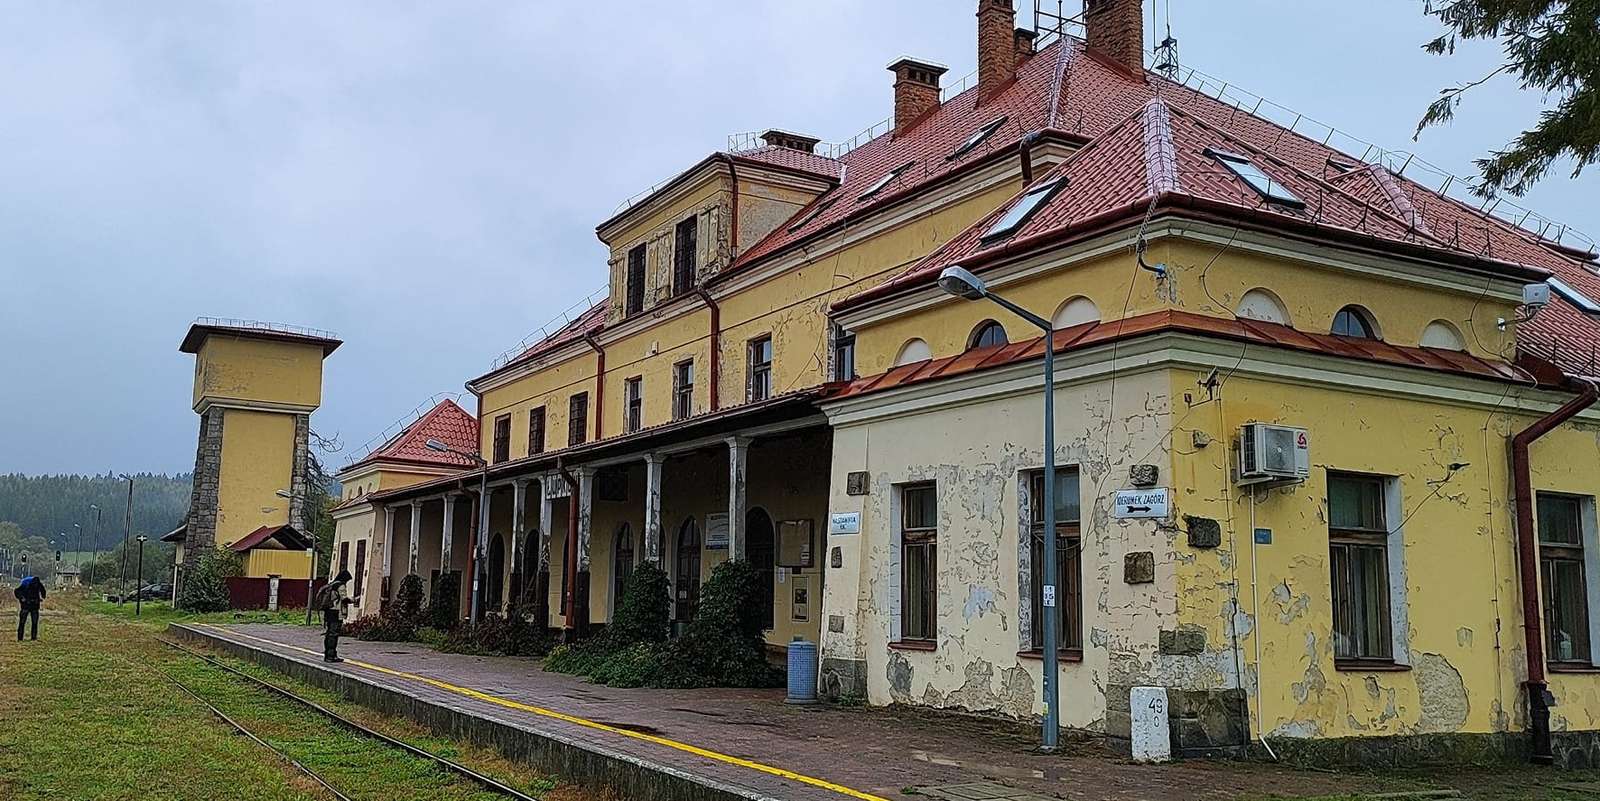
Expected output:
{"points": [[731, 744]]}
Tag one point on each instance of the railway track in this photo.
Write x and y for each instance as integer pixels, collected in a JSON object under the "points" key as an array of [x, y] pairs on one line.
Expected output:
{"points": [[488, 783]]}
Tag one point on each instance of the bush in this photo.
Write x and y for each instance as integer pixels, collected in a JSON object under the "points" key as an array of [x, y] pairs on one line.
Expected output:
{"points": [[644, 611], [381, 628], [407, 604], [444, 609], [505, 636], [723, 646], [631, 666], [205, 584]]}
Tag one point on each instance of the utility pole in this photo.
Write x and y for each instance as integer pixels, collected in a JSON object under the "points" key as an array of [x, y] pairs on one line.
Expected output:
{"points": [[127, 529], [95, 538], [138, 594]]}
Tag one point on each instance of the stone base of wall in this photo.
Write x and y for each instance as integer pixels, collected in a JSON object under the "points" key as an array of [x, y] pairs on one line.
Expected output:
{"points": [[1574, 750], [842, 679]]}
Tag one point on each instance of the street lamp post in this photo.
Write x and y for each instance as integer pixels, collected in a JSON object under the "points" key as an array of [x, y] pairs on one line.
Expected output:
{"points": [[138, 595], [483, 522], [77, 548], [127, 529], [960, 282], [95, 538]]}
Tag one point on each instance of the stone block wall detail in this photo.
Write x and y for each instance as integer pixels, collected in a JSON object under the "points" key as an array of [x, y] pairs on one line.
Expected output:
{"points": [[298, 485], [202, 517]]}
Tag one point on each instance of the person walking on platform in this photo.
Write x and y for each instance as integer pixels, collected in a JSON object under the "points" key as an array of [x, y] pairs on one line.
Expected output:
{"points": [[331, 601]]}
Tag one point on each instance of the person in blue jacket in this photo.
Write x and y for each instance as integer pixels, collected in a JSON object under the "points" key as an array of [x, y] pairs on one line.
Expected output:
{"points": [[30, 593]]}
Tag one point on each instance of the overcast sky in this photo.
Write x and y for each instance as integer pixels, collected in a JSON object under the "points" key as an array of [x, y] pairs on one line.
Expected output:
{"points": [[424, 178]]}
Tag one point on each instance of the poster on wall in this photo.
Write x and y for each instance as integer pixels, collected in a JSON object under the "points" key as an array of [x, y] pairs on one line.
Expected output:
{"points": [[717, 532], [796, 542]]}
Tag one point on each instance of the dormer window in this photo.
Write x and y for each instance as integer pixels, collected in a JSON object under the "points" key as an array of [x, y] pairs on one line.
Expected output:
{"points": [[886, 180], [1570, 294], [1023, 211], [977, 138], [1246, 170]]}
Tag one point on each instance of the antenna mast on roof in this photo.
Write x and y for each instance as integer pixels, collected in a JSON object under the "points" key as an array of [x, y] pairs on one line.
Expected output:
{"points": [[1166, 61]]}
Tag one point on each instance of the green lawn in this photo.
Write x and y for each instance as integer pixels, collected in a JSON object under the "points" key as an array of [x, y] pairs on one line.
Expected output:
{"points": [[88, 715]]}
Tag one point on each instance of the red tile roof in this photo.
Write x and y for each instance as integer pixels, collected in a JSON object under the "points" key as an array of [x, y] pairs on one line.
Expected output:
{"points": [[797, 160], [1087, 335], [447, 423], [287, 536]]}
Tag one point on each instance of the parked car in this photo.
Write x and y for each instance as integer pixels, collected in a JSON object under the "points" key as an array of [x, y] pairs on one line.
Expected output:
{"points": [[149, 592]]}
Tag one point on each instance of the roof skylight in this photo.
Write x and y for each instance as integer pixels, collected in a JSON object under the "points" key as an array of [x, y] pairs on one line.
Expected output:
{"points": [[977, 138], [1268, 188], [887, 179], [1571, 295], [816, 211], [1024, 210]]}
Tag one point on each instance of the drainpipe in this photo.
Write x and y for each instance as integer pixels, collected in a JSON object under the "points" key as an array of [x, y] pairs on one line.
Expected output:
{"points": [[599, 386], [569, 606], [1528, 567], [715, 368], [1025, 151]]}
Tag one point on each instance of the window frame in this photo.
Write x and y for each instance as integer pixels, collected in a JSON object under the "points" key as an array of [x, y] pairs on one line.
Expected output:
{"points": [[1069, 568], [683, 390], [685, 255], [844, 354], [1553, 552], [637, 269], [887, 179], [1361, 316], [922, 538], [978, 331], [633, 404], [502, 438], [536, 430], [1246, 170], [577, 403], [977, 138], [758, 374], [1351, 540], [1020, 213]]}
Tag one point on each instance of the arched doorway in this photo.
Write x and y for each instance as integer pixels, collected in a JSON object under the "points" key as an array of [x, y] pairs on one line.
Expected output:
{"points": [[621, 564], [494, 589], [763, 557], [686, 587]]}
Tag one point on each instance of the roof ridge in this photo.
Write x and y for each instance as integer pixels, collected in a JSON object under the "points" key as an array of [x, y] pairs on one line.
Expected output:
{"points": [[1397, 196], [1160, 153]]}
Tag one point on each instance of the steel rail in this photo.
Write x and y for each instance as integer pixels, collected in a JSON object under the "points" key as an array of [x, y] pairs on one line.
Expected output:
{"points": [[455, 767]]}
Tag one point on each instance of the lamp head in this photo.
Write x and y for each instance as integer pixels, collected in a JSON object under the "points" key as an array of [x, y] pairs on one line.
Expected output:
{"points": [[959, 281], [284, 494]]}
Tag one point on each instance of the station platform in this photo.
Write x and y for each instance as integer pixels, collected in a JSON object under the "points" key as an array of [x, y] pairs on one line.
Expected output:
{"points": [[731, 744]]}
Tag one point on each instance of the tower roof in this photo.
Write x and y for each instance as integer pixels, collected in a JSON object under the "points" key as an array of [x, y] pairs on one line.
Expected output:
{"points": [[254, 329]]}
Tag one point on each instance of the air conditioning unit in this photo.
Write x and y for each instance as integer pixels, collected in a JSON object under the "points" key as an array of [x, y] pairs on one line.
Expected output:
{"points": [[1273, 453]]}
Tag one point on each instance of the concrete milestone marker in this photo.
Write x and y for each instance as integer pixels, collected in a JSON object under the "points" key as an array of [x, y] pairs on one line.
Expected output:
{"points": [[1152, 739]]}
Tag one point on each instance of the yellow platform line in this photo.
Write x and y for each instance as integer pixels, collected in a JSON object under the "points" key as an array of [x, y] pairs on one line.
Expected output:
{"points": [[565, 718]]}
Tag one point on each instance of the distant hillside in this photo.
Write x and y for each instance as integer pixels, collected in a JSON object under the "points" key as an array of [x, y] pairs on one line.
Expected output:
{"points": [[43, 506]]}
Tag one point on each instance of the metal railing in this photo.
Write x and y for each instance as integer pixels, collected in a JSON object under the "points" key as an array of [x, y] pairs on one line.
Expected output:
{"points": [[565, 318], [401, 424], [265, 327]]}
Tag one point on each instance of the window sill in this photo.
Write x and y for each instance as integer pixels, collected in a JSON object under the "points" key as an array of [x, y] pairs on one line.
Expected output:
{"points": [[1572, 667], [1369, 666], [914, 645], [1063, 655]]}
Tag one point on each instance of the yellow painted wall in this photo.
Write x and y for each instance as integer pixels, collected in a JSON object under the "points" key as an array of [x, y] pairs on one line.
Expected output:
{"points": [[288, 565], [256, 370], [1466, 656], [257, 461], [552, 388]]}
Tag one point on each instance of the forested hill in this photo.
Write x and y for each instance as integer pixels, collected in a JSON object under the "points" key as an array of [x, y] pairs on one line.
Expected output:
{"points": [[43, 506]]}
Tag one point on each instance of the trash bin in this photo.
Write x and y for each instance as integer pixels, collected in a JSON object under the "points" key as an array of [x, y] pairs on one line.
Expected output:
{"points": [[802, 672]]}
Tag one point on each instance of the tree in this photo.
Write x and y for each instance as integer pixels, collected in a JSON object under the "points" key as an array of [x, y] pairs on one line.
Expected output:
{"points": [[1549, 45]]}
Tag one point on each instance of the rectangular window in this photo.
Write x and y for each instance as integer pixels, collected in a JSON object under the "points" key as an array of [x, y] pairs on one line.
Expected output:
{"points": [[919, 563], [844, 355], [502, 438], [683, 390], [1358, 545], [760, 369], [1020, 213], [361, 568], [344, 556], [536, 431], [633, 404], [685, 243], [636, 258], [577, 419], [1069, 566], [1268, 188], [1561, 563]]}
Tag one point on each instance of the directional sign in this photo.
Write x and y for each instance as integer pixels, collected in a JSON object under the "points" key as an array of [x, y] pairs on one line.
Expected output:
{"points": [[1143, 504]]}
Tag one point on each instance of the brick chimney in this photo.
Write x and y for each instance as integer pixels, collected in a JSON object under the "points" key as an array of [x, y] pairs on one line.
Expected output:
{"points": [[1116, 30], [1025, 40], [916, 91], [792, 141], [997, 46]]}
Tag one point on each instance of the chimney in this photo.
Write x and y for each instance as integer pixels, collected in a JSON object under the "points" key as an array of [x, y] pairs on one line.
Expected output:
{"points": [[792, 141], [997, 46], [1025, 39], [1116, 30], [916, 91]]}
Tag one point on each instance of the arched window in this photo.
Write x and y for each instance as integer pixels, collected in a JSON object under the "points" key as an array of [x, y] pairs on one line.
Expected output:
{"points": [[915, 350], [621, 562], [1355, 322], [1443, 335], [988, 334], [1076, 311], [1261, 304], [686, 586]]}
